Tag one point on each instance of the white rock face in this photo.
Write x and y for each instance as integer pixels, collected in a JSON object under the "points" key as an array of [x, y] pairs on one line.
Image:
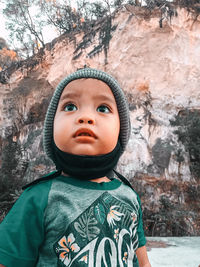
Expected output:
{"points": [[159, 70]]}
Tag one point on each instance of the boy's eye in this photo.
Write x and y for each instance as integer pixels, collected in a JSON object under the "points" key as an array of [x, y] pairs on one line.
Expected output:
{"points": [[103, 109], [70, 107]]}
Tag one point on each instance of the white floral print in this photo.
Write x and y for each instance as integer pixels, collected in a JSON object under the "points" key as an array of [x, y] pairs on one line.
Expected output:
{"points": [[113, 215]]}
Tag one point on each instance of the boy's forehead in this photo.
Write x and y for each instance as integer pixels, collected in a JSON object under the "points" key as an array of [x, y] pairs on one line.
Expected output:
{"points": [[89, 81], [94, 88], [80, 85]]}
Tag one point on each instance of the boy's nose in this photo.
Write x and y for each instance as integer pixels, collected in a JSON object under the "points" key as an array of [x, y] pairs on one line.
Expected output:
{"points": [[86, 120]]}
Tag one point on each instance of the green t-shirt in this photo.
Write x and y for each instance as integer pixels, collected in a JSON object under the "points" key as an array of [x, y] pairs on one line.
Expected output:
{"points": [[68, 222]]}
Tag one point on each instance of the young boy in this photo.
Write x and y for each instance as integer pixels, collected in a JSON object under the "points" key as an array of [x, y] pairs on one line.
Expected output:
{"points": [[79, 215]]}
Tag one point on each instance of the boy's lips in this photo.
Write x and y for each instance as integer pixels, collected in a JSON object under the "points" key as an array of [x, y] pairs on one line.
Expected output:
{"points": [[84, 132]]}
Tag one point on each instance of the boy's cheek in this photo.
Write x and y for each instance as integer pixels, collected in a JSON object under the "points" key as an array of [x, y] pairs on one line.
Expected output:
{"points": [[60, 123]]}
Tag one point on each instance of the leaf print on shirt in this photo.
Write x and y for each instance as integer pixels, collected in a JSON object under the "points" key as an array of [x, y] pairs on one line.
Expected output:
{"points": [[100, 213], [107, 198], [86, 225]]}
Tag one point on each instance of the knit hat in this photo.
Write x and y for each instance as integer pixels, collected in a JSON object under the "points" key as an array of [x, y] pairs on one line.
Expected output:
{"points": [[120, 99]]}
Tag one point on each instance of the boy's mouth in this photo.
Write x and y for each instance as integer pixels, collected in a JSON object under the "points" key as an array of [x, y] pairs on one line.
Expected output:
{"points": [[85, 132]]}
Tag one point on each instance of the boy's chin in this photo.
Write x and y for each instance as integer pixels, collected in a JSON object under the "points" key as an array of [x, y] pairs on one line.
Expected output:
{"points": [[90, 152], [87, 154], [86, 150]]}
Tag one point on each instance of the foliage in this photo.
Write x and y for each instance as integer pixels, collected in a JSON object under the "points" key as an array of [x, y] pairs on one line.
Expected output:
{"points": [[191, 5], [7, 57], [26, 20], [25, 25], [188, 129], [66, 18], [3, 43], [63, 17]]}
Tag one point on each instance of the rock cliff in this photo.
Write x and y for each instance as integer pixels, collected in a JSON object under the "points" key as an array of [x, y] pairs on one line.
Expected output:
{"points": [[158, 68]]}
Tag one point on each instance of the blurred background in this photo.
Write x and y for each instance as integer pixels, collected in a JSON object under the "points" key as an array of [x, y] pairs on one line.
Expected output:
{"points": [[152, 48]]}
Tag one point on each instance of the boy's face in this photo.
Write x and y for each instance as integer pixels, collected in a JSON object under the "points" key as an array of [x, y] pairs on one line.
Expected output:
{"points": [[87, 120]]}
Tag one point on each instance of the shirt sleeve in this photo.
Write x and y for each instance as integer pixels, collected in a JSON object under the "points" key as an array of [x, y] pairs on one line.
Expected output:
{"points": [[141, 236], [22, 230]]}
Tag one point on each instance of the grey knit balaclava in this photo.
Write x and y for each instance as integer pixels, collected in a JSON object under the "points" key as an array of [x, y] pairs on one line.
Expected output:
{"points": [[120, 99]]}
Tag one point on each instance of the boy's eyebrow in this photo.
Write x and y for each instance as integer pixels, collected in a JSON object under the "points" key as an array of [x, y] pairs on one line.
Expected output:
{"points": [[97, 97], [105, 98], [69, 95]]}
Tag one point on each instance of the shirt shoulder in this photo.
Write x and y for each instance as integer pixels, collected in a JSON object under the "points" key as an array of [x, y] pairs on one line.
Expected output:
{"points": [[24, 225]]}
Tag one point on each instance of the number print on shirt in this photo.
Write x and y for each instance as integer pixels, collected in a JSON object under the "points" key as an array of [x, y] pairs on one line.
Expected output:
{"points": [[105, 234]]}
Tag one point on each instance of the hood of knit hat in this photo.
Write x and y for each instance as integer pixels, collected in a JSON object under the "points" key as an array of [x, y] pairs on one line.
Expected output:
{"points": [[119, 96]]}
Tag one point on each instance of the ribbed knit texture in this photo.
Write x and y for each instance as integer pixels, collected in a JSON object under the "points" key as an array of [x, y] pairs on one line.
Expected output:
{"points": [[120, 99]]}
